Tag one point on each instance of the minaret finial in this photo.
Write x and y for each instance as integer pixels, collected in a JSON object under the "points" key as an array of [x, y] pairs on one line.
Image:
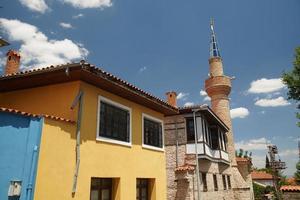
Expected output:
{"points": [[214, 50]]}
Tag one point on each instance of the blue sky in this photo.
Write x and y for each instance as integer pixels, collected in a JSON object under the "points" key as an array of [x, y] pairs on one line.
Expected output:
{"points": [[164, 45]]}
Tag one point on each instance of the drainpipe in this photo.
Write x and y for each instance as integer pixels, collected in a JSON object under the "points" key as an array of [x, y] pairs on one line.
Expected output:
{"points": [[78, 100], [32, 168], [196, 152], [176, 132]]}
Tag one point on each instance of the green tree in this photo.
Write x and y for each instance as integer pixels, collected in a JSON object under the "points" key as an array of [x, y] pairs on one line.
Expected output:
{"points": [[292, 80], [297, 174]]}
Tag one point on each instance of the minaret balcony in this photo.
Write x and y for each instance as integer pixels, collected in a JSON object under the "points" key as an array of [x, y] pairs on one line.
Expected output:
{"points": [[218, 85]]}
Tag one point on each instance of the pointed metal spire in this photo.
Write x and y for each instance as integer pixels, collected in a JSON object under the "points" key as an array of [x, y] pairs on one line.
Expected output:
{"points": [[214, 50]]}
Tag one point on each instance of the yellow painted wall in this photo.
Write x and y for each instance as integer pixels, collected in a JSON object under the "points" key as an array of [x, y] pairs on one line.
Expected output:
{"points": [[98, 159], [52, 100]]}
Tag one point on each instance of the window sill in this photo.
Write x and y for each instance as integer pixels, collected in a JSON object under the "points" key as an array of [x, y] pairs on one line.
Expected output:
{"points": [[144, 146], [112, 141]]}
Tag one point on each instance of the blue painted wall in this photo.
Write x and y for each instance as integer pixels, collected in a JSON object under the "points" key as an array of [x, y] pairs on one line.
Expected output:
{"points": [[19, 146]]}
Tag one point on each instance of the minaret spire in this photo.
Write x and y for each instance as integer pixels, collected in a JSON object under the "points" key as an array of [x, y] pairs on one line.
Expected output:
{"points": [[214, 50]]}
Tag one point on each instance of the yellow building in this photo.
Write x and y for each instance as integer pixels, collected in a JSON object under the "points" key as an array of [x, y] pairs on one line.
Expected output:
{"points": [[118, 127]]}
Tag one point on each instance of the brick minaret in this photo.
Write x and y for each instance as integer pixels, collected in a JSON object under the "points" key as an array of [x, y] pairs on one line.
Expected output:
{"points": [[12, 62], [218, 87]]}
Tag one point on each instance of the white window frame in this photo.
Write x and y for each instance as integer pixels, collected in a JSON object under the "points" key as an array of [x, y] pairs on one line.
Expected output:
{"points": [[109, 140], [162, 132]]}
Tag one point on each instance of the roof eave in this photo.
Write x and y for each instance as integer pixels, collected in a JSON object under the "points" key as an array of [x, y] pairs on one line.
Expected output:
{"points": [[83, 71]]}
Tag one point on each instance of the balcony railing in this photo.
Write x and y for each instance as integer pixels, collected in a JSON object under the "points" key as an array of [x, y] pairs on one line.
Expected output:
{"points": [[204, 151]]}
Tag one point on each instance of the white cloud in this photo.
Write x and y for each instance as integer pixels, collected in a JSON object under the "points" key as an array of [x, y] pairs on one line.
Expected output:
{"points": [[239, 112], [36, 49], [266, 85], [89, 3], [280, 101], [189, 104], [182, 95], [80, 15], [289, 152], [65, 25], [2, 60], [204, 94], [35, 5], [253, 144], [259, 161], [142, 69], [207, 98]]}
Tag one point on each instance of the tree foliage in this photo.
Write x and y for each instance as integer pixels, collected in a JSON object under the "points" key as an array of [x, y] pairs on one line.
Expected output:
{"points": [[292, 80], [243, 154]]}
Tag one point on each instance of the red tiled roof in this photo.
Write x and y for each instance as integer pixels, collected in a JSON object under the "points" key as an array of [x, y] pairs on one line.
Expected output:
{"points": [[185, 168], [9, 110], [291, 181], [290, 188], [260, 175]]}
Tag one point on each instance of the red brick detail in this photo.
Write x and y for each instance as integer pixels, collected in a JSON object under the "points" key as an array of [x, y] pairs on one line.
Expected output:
{"points": [[12, 62], [172, 98]]}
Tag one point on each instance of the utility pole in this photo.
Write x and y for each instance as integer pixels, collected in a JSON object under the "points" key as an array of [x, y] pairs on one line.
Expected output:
{"points": [[276, 166]]}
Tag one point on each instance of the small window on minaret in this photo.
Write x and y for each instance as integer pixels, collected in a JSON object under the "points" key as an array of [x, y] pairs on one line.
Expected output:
{"points": [[9, 57]]}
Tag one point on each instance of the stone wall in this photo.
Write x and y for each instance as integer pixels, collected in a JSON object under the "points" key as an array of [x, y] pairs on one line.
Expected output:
{"points": [[182, 185], [291, 196]]}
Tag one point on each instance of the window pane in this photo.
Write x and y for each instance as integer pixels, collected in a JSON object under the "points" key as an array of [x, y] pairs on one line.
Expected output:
{"points": [[215, 182], [204, 181], [101, 189], [229, 182], [94, 195], [190, 129], [105, 194], [142, 186], [114, 122], [152, 133], [214, 138], [224, 182]]}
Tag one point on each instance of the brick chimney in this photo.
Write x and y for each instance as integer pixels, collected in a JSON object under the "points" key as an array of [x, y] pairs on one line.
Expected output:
{"points": [[172, 98], [12, 62]]}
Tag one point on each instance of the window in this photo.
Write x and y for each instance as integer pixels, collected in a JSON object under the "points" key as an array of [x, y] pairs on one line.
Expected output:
{"points": [[206, 132], [152, 132], [101, 189], [190, 131], [114, 121], [204, 182], [229, 182], [142, 189], [224, 182], [214, 138], [225, 141], [215, 182]]}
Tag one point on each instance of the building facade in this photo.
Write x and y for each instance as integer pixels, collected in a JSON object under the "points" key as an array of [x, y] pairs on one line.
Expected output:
{"points": [[19, 146], [207, 168], [111, 146]]}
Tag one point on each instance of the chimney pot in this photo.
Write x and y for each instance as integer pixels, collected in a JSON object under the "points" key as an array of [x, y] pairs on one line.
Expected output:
{"points": [[12, 62], [172, 98]]}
